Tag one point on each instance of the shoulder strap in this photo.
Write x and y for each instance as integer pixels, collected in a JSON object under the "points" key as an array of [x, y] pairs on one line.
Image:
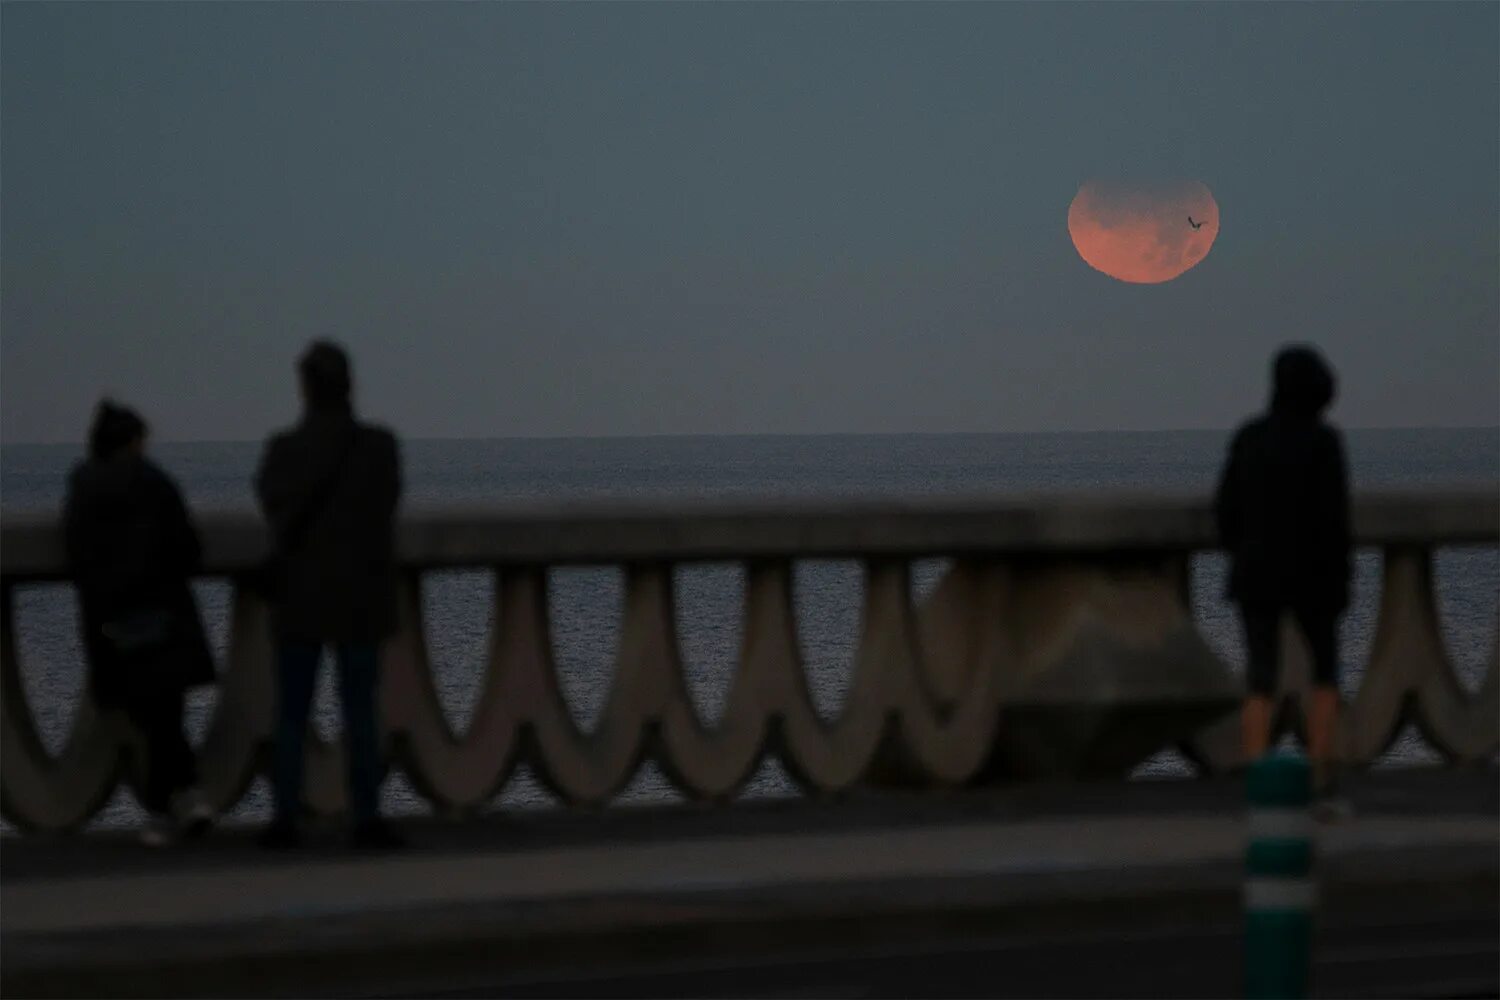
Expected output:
{"points": [[315, 503]]}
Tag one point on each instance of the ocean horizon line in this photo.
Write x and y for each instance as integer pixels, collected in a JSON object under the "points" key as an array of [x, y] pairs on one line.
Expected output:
{"points": [[785, 435]]}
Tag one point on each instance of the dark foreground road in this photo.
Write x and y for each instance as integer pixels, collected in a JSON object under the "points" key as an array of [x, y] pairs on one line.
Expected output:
{"points": [[1126, 890], [1452, 958]]}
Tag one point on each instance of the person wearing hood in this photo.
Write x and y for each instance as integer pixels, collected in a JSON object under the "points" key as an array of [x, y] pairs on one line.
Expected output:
{"points": [[131, 550], [1283, 516], [329, 488]]}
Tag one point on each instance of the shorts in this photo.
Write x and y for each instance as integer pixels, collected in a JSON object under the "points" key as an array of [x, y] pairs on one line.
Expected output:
{"points": [[1263, 641]]}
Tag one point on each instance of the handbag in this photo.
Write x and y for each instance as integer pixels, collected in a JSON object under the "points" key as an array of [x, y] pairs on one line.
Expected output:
{"points": [[269, 578]]}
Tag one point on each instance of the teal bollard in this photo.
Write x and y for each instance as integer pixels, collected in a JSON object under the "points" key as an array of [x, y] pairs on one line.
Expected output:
{"points": [[1279, 888]]}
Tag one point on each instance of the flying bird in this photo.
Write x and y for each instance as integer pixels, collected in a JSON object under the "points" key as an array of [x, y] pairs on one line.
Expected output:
{"points": [[1195, 225]]}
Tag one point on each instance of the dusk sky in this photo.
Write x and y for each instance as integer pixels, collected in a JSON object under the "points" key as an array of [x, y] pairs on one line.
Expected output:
{"points": [[590, 219]]}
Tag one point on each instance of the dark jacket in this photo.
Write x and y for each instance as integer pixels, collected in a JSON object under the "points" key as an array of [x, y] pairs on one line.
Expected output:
{"points": [[340, 580], [1283, 500], [131, 550]]}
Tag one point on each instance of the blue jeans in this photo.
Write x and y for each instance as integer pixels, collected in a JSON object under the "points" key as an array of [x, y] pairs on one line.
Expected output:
{"points": [[359, 676]]}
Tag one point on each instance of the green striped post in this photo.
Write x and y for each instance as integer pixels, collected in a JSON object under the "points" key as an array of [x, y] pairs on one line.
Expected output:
{"points": [[1279, 888]]}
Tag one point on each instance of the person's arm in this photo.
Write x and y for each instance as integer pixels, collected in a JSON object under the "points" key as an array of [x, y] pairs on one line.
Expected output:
{"points": [[1227, 497], [275, 488], [80, 537], [388, 484], [93, 561]]}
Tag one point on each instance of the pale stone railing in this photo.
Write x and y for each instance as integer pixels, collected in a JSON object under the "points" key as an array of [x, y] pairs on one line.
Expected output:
{"points": [[1060, 643]]}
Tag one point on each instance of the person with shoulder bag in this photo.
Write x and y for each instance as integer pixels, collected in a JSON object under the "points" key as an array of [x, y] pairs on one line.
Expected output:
{"points": [[132, 550], [329, 488]]}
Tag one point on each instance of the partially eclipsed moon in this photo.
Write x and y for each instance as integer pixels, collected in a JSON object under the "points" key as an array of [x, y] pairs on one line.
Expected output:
{"points": [[1140, 232]]}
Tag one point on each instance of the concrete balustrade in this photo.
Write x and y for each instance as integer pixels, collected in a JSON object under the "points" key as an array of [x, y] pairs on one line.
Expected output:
{"points": [[1060, 643]]}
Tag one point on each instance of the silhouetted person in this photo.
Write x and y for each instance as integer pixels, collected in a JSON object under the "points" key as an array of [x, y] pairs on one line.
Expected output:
{"points": [[1283, 514], [329, 488], [131, 549]]}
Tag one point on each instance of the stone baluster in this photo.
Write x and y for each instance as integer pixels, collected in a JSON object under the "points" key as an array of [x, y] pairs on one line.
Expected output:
{"points": [[1027, 664], [38, 791], [1410, 677]]}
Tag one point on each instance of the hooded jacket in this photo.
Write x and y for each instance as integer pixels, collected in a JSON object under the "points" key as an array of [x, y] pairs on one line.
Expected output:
{"points": [[1282, 504], [131, 549]]}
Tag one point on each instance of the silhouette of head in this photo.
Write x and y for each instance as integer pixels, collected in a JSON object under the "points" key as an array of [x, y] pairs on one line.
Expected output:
{"points": [[324, 371], [116, 429], [1303, 383]]}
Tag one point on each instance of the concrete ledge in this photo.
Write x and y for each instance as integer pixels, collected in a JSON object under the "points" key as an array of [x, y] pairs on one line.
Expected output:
{"points": [[510, 534]]}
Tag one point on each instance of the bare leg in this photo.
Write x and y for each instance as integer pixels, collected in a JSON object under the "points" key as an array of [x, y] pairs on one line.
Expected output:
{"points": [[1322, 736], [1255, 727], [1263, 644]]}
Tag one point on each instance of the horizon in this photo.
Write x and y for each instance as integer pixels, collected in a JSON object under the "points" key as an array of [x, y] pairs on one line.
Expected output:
{"points": [[1063, 432]]}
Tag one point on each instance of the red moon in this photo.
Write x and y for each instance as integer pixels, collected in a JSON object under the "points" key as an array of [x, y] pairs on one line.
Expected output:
{"points": [[1140, 233]]}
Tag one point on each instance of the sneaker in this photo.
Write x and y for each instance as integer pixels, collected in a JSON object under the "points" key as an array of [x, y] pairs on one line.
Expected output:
{"points": [[279, 837], [193, 813], [376, 835], [159, 831]]}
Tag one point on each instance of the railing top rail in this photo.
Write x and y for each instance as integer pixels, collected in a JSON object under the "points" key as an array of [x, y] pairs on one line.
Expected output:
{"points": [[629, 531]]}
